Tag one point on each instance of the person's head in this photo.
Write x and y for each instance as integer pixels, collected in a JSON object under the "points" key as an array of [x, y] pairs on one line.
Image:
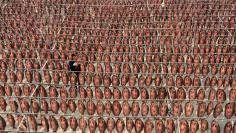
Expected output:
{"points": [[205, 70], [42, 91], [213, 81], [116, 93], [2, 123], [132, 81], [189, 70], [115, 80], [65, 78], [184, 126], [196, 81], [108, 107], [179, 81], [187, 81], [174, 68], [163, 109], [153, 93], [24, 105], [91, 67], [19, 64], [189, 107], [35, 106], [215, 127], [11, 120], [106, 81], [211, 95], [162, 93], [12, 76], [134, 93], [135, 108], [228, 127], [73, 79], [148, 80], [194, 126], [100, 108], [50, 65], [74, 123], [181, 69], [8, 90], [177, 109], [120, 125], [56, 77], [181, 94], [26, 90], [90, 107], [201, 94], [53, 123], [229, 110], [192, 94], [207, 82], [73, 92], [2, 91], [170, 125], [144, 109], [124, 79], [125, 108], [44, 105], [63, 93], [82, 124], [126, 68], [144, 93], [153, 108], [110, 124], [101, 125], [89, 92], [63, 106], [97, 80], [17, 90], [63, 123], [53, 91], [158, 80], [74, 56], [116, 66], [47, 77], [204, 125], [107, 93], [116, 108], [129, 125], [72, 105], [54, 106], [33, 122], [98, 93], [222, 70], [148, 126], [92, 124], [232, 95], [159, 127], [170, 81], [218, 110], [172, 93], [138, 125], [220, 95], [89, 79], [125, 93], [3, 104], [141, 81]]}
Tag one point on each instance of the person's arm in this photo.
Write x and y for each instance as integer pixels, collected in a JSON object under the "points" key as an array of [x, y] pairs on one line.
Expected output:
{"points": [[75, 64]]}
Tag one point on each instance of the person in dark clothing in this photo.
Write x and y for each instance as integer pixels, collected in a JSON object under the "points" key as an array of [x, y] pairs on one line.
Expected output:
{"points": [[74, 66]]}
